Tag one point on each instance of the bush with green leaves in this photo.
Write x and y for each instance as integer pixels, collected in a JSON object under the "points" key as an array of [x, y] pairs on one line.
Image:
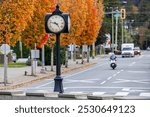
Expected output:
{"points": [[29, 62], [48, 55]]}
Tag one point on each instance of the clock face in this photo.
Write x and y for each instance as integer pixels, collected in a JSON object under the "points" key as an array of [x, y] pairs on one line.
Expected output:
{"points": [[56, 23]]}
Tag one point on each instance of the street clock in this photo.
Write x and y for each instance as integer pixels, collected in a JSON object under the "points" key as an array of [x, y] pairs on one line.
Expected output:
{"points": [[57, 23]]}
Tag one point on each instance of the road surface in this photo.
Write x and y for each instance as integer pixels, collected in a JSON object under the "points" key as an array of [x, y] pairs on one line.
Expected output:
{"points": [[130, 78]]}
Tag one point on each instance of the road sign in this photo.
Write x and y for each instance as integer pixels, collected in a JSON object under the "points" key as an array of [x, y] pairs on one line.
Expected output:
{"points": [[117, 15], [5, 48], [35, 54]]}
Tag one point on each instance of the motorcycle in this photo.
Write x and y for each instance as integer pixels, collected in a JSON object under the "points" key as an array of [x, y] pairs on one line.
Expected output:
{"points": [[113, 64]]}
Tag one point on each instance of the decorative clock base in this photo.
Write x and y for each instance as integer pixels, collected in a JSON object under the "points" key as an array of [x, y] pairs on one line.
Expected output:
{"points": [[58, 84]]}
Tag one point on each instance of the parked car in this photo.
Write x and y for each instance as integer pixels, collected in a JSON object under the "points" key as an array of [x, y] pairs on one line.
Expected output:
{"points": [[14, 57], [137, 51]]}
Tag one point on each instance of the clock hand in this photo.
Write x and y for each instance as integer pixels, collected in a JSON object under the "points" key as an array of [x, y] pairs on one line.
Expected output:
{"points": [[56, 24]]}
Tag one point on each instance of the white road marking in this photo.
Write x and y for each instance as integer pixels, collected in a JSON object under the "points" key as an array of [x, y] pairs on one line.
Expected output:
{"points": [[98, 93], [81, 81], [145, 94], [44, 85], [126, 89], [122, 93], [138, 71], [133, 81], [103, 82], [109, 78], [114, 75]]}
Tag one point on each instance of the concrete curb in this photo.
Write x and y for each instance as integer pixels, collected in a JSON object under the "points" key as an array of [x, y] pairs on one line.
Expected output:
{"points": [[101, 97], [45, 77], [131, 98], [20, 95]]}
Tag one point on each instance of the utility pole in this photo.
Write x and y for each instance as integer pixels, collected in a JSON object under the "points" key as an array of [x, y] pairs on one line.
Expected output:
{"points": [[112, 30], [122, 36], [116, 36], [122, 17]]}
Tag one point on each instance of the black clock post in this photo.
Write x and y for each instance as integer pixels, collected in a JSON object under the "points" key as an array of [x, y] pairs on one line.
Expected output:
{"points": [[58, 86], [57, 23], [58, 79]]}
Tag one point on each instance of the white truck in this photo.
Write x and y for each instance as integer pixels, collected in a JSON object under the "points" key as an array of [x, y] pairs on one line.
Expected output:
{"points": [[127, 50]]}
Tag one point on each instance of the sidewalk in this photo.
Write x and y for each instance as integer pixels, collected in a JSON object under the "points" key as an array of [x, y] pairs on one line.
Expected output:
{"points": [[16, 76]]}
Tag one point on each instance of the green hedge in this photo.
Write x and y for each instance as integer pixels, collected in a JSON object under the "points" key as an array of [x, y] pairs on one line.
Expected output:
{"points": [[48, 55]]}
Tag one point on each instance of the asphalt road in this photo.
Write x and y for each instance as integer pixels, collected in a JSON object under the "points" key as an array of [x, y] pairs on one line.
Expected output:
{"points": [[130, 78]]}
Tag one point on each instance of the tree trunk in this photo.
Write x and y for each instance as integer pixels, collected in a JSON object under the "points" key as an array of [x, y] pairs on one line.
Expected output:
{"points": [[74, 52], [88, 54], [66, 58], [93, 50], [82, 61], [52, 58]]}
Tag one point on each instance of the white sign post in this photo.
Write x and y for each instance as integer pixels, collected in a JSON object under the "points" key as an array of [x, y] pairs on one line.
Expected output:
{"points": [[34, 54], [5, 50]]}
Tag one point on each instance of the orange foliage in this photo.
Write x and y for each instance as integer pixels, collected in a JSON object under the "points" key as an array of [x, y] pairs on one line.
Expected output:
{"points": [[77, 10], [51, 41], [35, 31], [14, 15], [93, 23], [21, 19], [86, 20]]}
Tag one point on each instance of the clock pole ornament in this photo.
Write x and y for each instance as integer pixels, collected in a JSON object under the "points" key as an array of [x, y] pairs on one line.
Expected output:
{"points": [[57, 23]]}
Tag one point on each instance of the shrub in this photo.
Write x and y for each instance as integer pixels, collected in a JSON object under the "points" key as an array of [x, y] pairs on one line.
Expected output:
{"points": [[29, 62]]}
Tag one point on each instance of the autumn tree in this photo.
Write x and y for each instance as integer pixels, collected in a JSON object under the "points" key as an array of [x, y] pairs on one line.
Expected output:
{"points": [[14, 15], [86, 19], [77, 10], [35, 31]]}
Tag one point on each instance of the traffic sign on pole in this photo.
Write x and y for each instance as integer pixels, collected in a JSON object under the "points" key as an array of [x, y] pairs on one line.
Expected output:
{"points": [[5, 48]]}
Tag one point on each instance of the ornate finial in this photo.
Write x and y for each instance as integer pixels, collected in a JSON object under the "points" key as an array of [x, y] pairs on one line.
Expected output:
{"points": [[57, 11], [57, 6]]}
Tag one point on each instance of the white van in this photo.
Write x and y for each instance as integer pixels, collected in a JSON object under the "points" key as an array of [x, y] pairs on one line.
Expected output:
{"points": [[127, 50]]}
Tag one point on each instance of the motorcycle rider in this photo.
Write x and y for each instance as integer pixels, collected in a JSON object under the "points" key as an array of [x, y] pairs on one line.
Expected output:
{"points": [[113, 57], [113, 61]]}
